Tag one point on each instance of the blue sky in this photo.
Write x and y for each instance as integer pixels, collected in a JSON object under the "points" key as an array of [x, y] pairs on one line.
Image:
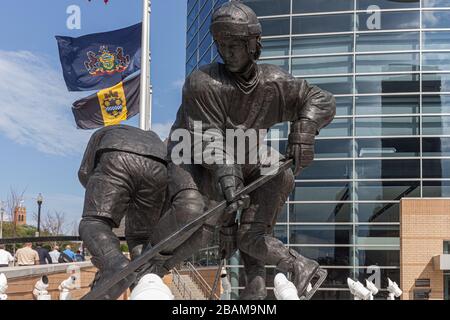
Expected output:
{"points": [[40, 147]]}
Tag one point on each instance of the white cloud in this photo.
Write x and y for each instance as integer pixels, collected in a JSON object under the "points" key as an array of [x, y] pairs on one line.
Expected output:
{"points": [[162, 129], [36, 106]]}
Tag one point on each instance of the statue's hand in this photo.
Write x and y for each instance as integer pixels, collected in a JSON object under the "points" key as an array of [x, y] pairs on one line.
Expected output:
{"points": [[230, 182], [301, 144]]}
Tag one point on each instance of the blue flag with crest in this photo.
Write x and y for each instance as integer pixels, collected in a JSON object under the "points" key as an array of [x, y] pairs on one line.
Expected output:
{"points": [[100, 60]]}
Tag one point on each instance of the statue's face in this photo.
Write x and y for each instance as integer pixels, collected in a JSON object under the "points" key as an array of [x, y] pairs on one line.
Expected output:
{"points": [[234, 53]]}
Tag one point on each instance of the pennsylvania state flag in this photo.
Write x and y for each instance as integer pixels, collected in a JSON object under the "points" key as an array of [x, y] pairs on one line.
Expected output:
{"points": [[100, 60], [109, 106]]}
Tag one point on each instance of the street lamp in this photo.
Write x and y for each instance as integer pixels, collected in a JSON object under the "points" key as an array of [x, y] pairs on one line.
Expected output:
{"points": [[39, 199]]}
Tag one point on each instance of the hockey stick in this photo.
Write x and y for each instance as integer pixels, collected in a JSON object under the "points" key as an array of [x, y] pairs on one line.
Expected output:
{"points": [[216, 279], [101, 292]]}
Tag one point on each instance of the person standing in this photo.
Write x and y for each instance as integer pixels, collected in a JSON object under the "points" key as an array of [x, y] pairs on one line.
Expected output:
{"points": [[26, 256], [5, 257], [69, 252], [44, 256], [54, 254]]}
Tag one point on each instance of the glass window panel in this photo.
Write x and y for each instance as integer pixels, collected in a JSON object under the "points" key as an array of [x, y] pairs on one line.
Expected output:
{"points": [[381, 256], [436, 61], [397, 62], [389, 147], [436, 103], [338, 128], [335, 169], [335, 85], [205, 45], [191, 18], [275, 27], [378, 212], [322, 65], [391, 41], [446, 247], [344, 106], [332, 295], [320, 212], [191, 64], [191, 4], [389, 20], [388, 4], [205, 11], [374, 105], [436, 40], [341, 148], [278, 131], [388, 83], [204, 30], [218, 3], [322, 44], [320, 234], [269, 7], [280, 232], [278, 145], [387, 126], [436, 189], [435, 3], [436, 19], [378, 235], [393, 274], [388, 169], [206, 59], [436, 125], [307, 6], [322, 24], [337, 278], [192, 32], [436, 168], [191, 48], [436, 82], [387, 190], [282, 63], [436, 147], [327, 256], [321, 191], [275, 47]]}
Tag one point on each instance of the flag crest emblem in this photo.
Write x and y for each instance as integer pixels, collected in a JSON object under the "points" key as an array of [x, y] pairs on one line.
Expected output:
{"points": [[106, 62]]}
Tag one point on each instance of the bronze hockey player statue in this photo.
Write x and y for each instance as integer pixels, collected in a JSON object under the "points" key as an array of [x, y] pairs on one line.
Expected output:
{"points": [[241, 94]]}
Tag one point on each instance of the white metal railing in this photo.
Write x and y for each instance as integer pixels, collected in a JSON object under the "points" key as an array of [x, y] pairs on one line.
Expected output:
{"points": [[181, 285], [200, 281]]}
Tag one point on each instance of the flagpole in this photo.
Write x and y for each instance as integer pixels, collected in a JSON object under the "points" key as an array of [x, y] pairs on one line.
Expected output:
{"points": [[145, 95]]}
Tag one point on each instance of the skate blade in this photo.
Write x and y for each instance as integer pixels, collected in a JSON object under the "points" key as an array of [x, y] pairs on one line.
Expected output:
{"points": [[320, 275]]}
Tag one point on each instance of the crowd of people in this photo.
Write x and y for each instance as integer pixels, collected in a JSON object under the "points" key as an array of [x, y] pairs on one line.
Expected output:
{"points": [[28, 256]]}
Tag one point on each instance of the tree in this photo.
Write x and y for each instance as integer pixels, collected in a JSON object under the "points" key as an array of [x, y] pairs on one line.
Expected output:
{"points": [[14, 200]]}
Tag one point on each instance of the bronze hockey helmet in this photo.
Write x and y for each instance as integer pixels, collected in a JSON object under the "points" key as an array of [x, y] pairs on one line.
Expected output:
{"points": [[235, 19]]}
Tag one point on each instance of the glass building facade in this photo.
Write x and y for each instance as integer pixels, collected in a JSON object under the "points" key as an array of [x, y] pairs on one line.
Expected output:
{"points": [[388, 64]]}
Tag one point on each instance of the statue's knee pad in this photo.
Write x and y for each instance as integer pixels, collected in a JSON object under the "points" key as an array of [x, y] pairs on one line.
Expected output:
{"points": [[190, 202]]}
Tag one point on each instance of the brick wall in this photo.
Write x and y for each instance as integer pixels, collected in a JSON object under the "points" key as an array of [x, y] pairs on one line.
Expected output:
{"points": [[424, 226]]}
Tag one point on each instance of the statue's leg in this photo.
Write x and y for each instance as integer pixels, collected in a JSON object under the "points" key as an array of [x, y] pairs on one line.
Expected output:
{"points": [[255, 278], [186, 203], [107, 198], [254, 235], [146, 205]]}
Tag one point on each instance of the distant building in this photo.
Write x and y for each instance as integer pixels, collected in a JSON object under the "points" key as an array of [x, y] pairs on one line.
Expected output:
{"points": [[20, 215]]}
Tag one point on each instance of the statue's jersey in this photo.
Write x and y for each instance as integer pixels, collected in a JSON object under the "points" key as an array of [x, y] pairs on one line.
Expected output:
{"points": [[211, 96], [120, 138]]}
